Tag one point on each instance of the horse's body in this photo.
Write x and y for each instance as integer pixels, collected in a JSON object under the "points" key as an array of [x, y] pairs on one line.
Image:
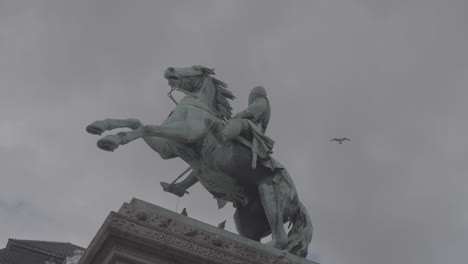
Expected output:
{"points": [[264, 198]]}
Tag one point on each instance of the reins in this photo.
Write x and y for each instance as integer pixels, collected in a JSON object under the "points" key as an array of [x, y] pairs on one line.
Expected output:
{"points": [[169, 94], [211, 111]]}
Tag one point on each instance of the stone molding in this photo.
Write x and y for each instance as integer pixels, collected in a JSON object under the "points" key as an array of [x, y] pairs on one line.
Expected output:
{"points": [[182, 237]]}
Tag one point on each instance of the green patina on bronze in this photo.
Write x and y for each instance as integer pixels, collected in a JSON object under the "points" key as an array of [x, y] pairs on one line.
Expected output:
{"points": [[231, 158]]}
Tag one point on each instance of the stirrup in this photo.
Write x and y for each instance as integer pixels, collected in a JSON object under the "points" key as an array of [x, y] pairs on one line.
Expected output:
{"points": [[214, 128]]}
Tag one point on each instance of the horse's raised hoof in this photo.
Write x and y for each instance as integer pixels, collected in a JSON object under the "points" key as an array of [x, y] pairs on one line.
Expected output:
{"points": [[134, 123], [109, 143], [96, 128]]}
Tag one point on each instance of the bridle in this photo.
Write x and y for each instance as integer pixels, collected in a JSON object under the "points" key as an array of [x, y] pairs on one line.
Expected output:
{"points": [[211, 111], [169, 94]]}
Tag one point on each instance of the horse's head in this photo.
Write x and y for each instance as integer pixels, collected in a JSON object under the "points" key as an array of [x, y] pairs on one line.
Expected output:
{"points": [[197, 81], [188, 79]]}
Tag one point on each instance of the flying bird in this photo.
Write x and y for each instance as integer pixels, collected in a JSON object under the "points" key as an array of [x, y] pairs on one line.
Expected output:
{"points": [[340, 140], [222, 225], [184, 212]]}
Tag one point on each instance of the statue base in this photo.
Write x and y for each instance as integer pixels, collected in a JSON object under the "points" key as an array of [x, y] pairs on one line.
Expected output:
{"points": [[143, 233]]}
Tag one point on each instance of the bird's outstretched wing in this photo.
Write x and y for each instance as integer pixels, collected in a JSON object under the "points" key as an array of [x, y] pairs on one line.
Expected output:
{"points": [[334, 139], [346, 139]]}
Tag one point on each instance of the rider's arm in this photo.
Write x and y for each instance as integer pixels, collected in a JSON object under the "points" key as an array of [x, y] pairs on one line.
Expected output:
{"points": [[256, 109]]}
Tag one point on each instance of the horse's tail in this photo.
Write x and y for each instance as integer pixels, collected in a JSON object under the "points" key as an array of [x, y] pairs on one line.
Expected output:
{"points": [[300, 234]]}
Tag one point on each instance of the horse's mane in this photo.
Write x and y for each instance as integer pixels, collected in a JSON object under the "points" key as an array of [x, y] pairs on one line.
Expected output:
{"points": [[222, 95]]}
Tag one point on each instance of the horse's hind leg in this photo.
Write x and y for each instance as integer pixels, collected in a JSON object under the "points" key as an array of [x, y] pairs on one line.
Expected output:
{"points": [[272, 203], [98, 127], [251, 221]]}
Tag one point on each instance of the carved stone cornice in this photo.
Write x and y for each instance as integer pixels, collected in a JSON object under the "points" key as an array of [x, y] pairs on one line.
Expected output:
{"points": [[179, 239]]}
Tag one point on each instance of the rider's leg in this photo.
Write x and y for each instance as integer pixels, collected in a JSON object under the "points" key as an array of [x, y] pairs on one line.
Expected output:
{"points": [[180, 188], [234, 128], [231, 130]]}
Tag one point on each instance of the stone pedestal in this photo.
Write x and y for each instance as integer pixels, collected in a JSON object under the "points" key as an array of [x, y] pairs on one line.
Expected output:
{"points": [[143, 233]]}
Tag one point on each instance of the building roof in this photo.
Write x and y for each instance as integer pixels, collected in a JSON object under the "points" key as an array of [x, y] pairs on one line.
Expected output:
{"points": [[35, 252], [18, 256]]}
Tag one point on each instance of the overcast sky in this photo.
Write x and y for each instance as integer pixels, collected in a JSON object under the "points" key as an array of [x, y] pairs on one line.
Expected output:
{"points": [[390, 75]]}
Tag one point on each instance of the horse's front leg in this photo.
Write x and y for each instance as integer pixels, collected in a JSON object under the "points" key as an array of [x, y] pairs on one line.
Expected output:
{"points": [[189, 131], [162, 146], [98, 127], [112, 142], [183, 132], [178, 131]]}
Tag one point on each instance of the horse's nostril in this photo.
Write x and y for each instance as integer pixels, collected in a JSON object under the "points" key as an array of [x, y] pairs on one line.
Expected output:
{"points": [[171, 69]]}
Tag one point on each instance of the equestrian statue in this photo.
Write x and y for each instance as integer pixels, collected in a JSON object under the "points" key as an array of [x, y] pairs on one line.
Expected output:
{"points": [[229, 156]]}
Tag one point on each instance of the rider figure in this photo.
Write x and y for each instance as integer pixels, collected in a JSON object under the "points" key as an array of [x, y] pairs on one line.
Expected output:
{"points": [[258, 112], [251, 123]]}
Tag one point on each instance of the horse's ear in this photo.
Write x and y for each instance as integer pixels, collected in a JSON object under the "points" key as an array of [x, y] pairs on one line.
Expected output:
{"points": [[207, 71], [211, 71]]}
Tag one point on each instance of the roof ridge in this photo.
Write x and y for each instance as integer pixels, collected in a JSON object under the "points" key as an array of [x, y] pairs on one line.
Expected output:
{"points": [[34, 247], [42, 241]]}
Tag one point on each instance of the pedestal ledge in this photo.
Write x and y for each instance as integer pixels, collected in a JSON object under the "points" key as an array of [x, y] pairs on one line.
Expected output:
{"points": [[144, 233]]}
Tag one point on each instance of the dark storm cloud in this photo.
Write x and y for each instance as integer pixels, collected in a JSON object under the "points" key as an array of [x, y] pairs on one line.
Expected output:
{"points": [[391, 76]]}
